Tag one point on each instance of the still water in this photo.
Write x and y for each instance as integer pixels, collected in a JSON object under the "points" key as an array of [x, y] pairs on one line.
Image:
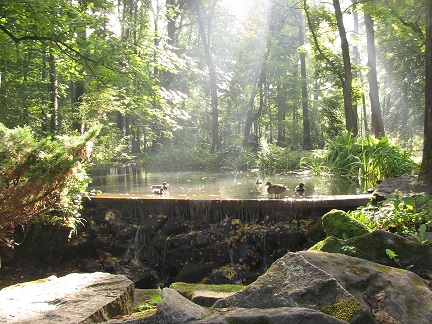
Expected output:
{"points": [[135, 181]]}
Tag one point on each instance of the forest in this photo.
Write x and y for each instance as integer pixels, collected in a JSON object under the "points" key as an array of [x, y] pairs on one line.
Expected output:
{"points": [[213, 74], [206, 83]]}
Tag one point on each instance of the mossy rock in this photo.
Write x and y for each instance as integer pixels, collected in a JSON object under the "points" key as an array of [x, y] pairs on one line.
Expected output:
{"points": [[330, 244], [339, 224], [204, 294]]}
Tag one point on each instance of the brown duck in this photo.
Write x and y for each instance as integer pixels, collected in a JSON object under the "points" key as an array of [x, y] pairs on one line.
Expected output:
{"points": [[275, 189], [300, 188]]}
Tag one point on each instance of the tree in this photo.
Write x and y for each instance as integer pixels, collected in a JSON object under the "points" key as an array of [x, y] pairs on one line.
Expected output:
{"points": [[425, 173], [307, 144], [376, 115], [206, 42], [350, 113]]}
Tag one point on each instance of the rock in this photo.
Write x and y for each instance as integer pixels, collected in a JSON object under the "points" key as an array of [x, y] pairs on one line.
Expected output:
{"points": [[194, 272], [292, 281], [386, 187], [278, 315], [330, 244], [405, 296], [373, 247], [75, 298], [174, 308], [339, 224], [312, 287], [204, 294]]}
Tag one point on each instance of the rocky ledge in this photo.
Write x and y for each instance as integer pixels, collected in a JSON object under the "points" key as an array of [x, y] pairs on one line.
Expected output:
{"points": [[75, 298], [310, 287]]}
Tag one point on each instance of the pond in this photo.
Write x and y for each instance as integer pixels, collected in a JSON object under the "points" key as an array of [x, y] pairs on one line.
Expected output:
{"points": [[137, 182]]}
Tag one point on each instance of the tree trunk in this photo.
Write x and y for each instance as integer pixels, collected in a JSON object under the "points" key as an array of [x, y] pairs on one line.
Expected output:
{"points": [[54, 95], [307, 144], [252, 115], [356, 57], [45, 73], [376, 115], [281, 95], [425, 173], [350, 113], [205, 38]]}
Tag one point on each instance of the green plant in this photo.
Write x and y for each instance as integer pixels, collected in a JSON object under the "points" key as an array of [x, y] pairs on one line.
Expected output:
{"points": [[349, 250], [393, 256], [399, 213], [420, 236], [315, 162], [41, 179], [367, 158]]}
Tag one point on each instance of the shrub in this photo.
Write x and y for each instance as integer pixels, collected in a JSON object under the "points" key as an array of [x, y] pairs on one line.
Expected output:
{"points": [[368, 158], [399, 213], [38, 177]]}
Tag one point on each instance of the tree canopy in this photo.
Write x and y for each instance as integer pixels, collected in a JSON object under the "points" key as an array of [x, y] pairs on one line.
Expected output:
{"points": [[212, 73]]}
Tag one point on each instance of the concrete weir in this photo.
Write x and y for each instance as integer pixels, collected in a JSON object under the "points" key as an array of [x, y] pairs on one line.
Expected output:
{"points": [[213, 211]]}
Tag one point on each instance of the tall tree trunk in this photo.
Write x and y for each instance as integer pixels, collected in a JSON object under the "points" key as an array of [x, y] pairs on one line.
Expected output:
{"points": [[54, 95], [205, 38], [45, 73], [252, 115], [356, 57], [281, 101], [307, 144], [376, 115], [350, 113], [425, 173]]}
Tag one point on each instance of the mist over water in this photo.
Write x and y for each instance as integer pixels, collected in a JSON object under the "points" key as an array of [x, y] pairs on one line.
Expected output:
{"points": [[219, 185]]}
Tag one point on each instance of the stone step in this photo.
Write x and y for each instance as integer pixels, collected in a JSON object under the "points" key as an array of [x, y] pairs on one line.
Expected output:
{"points": [[74, 298]]}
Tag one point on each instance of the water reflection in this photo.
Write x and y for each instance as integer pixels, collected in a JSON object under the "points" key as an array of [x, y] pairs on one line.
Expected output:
{"points": [[222, 185]]}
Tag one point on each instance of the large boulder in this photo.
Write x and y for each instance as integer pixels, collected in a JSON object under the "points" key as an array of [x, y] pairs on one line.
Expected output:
{"points": [[75, 298], [311, 287], [398, 295], [292, 281], [373, 246]]}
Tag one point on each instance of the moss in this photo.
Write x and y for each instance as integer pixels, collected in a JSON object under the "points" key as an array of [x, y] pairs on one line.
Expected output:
{"points": [[329, 244], [339, 224], [187, 289], [344, 310], [357, 268], [386, 269]]}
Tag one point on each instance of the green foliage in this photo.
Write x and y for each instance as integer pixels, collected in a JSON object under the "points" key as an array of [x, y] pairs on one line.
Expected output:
{"points": [[315, 162], [420, 236], [367, 158], [274, 158], [38, 177], [399, 213], [393, 256]]}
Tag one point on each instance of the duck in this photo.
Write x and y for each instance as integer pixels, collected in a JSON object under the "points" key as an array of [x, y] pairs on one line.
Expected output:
{"points": [[300, 188], [258, 182], [158, 191], [164, 186], [275, 189]]}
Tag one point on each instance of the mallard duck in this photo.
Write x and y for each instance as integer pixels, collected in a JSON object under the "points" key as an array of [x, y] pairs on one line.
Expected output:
{"points": [[275, 189], [258, 182], [158, 191], [300, 188], [164, 186]]}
